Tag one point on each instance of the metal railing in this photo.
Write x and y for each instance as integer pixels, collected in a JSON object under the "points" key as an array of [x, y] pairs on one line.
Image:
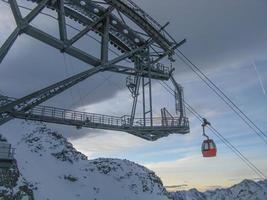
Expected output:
{"points": [[92, 118], [6, 152]]}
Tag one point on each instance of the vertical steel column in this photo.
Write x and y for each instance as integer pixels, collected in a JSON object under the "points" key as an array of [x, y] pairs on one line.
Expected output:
{"points": [[179, 99], [150, 89], [15, 10], [104, 41], [62, 21], [137, 80], [144, 101], [135, 99], [147, 63]]}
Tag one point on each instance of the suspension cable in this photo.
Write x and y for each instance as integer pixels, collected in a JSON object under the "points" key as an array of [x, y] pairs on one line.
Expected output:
{"points": [[218, 134], [67, 75], [91, 91], [222, 95], [81, 102]]}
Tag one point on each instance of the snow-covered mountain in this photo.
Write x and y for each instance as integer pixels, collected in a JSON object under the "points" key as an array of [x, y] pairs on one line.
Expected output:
{"points": [[47, 167], [246, 190]]}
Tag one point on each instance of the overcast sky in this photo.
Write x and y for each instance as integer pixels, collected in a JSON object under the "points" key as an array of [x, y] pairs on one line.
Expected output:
{"points": [[227, 39]]}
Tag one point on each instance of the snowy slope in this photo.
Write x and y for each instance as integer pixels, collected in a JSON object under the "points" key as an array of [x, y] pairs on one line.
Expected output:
{"points": [[55, 170], [13, 185], [47, 167], [246, 190]]}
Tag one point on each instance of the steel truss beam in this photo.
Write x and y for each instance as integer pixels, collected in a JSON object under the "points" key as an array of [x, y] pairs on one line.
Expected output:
{"points": [[61, 45], [105, 40], [15, 11], [28, 102], [90, 27], [144, 69], [62, 21], [12, 38], [36, 11], [122, 36], [25, 27], [8, 43], [64, 44], [135, 95], [21, 22]]}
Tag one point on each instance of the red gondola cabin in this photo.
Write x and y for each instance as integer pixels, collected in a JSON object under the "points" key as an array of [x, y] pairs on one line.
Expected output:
{"points": [[209, 148]]}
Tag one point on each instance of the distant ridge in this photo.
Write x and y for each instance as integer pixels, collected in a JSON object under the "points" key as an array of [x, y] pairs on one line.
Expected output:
{"points": [[246, 190]]}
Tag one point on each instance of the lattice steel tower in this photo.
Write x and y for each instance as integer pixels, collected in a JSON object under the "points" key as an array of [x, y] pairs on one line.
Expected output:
{"points": [[138, 37]]}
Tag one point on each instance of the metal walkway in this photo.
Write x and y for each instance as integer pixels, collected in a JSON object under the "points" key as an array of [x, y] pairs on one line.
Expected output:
{"points": [[97, 121], [162, 126]]}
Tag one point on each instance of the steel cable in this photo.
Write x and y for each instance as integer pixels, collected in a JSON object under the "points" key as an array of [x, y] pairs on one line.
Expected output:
{"points": [[223, 96], [218, 134]]}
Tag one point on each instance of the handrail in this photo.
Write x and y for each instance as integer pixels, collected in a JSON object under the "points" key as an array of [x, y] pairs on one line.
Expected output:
{"points": [[7, 152], [86, 117]]}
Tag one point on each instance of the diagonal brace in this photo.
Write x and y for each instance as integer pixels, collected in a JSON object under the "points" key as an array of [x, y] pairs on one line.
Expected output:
{"points": [[35, 11], [38, 97], [21, 22], [8, 43], [15, 10], [91, 26], [62, 21]]}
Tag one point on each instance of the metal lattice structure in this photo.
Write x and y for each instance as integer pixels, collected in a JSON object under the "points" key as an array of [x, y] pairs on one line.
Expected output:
{"points": [[6, 154], [140, 39]]}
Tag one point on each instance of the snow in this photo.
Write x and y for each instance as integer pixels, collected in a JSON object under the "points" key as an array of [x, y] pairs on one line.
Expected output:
{"points": [[50, 167], [57, 171]]}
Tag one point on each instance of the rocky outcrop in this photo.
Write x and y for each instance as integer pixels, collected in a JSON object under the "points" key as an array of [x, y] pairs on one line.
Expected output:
{"points": [[58, 171], [13, 186]]}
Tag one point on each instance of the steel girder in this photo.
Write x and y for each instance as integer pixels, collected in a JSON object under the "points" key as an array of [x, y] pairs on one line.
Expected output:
{"points": [[131, 10], [28, 102], [63, 44], [133, 45]]}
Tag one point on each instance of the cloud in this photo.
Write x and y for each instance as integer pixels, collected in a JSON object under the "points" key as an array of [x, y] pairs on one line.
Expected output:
{"points": [[7, 22], [106, 144], [200, 172]]}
